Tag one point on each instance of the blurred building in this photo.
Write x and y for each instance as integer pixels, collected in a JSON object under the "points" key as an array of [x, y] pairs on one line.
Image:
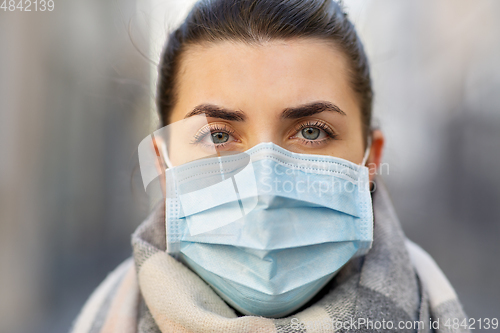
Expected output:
{"points": [[74, 104]]}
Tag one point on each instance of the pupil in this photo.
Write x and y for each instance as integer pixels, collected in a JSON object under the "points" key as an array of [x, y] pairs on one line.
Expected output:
{"points": [[219, 137], [310, 133]]}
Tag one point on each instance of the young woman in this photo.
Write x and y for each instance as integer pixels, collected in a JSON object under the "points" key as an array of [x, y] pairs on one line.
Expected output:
{"points": [[268, 223]]}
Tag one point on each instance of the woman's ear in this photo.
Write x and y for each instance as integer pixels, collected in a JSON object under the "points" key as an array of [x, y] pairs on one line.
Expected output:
{"points": [[376, 150]]}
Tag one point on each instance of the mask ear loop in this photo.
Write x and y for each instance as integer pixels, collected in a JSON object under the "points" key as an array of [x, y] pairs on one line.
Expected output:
{"points": [[173, 248], [164, 152], [367, 151]]}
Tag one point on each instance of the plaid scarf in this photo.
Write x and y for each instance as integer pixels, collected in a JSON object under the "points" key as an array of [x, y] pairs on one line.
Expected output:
{"points": [[396, 287]]}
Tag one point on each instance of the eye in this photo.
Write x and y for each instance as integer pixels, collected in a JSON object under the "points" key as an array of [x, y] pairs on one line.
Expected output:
{"points": [[310, 133], [217, 135], [314, 131]]}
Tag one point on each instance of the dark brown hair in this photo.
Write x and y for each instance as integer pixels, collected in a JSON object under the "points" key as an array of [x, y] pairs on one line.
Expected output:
{"points": [[254, 21]]}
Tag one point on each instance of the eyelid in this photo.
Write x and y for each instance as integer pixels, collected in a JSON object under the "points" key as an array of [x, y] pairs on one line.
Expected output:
{"points": [[317, 123], [212, 128]]}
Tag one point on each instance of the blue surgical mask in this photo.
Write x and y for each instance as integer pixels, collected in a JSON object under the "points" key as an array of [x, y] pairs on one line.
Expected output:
{"points": [[268, 228]]}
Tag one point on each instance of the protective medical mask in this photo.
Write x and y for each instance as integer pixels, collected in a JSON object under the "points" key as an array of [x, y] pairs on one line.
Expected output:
{"points": [[266, 228]]}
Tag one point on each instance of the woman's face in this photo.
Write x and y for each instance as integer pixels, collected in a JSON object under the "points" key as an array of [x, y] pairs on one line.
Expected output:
{"points": [[293, 93]]}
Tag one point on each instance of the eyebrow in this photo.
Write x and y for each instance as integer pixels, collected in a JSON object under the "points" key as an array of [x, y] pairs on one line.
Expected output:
{"points": [[310, 109], [300, 111], [215, 111]]}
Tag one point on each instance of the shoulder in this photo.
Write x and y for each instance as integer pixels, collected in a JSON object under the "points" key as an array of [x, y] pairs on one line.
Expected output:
{"points": [[100, 303], [429, 273]]}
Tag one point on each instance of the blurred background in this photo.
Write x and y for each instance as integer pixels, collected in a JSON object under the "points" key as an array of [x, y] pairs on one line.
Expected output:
{"points": [[77, 96]]}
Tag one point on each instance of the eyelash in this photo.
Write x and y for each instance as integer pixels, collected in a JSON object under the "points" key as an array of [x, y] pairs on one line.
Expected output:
{"points": [[209, 130], [316, 124], [214, 128]]}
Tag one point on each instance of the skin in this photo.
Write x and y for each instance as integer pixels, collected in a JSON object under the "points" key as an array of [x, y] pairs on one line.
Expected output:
{"points": [[259, 84]]}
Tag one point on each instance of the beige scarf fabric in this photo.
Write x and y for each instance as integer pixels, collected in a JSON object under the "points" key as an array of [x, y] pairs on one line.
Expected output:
{"points": [[153, 293]]}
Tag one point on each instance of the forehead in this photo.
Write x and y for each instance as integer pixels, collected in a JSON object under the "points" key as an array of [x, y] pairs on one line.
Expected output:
{"points": [[274, 73]]}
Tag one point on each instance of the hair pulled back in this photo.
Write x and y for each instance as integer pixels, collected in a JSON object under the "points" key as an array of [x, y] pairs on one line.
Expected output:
{"points": [[257, 21]]}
